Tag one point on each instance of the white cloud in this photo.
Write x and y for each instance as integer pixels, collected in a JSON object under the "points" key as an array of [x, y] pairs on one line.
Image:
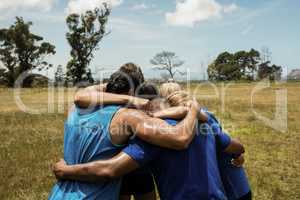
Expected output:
{"points": [[79, 6], [45, 5], [141, 6], [190, 12]]}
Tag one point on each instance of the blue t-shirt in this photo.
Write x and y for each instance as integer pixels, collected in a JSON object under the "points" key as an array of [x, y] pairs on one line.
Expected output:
{"points": [[234, 179], [190, 174], [86, 139]]}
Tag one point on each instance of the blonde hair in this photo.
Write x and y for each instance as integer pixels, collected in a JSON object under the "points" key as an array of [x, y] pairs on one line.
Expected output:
{"points": [[173, 94], [168, 88]]}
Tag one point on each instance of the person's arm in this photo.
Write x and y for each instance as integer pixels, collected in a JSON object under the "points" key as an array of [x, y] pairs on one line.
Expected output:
{"points": [[235, 147], [96, 95], [136, 154], [229, 145], [238, 161], [100, 87], [158, 132], [100, 170], [178, 112], [86, 98]]}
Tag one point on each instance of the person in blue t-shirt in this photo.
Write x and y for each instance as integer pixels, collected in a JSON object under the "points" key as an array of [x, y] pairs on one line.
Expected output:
{"points": [[188, 174], [100, 133], [233, 176], [232, 173]]}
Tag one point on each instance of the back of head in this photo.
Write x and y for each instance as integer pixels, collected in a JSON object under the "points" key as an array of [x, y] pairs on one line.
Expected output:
{"points": [[119, 83], [150, 91], [168, 88], [147, 91], [134, 72], [173, 94], [126, 80]]}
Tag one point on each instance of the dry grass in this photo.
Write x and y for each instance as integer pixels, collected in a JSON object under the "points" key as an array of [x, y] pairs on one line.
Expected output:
{"points": [[30, 143]]}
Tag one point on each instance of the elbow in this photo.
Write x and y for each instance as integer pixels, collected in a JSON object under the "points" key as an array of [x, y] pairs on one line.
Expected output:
{"points": [[182, 143], [183, 139], [242, 149], [78, 100], [236, 147], [240, 146]]}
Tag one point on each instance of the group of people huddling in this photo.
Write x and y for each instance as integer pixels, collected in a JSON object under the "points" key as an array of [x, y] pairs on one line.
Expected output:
{"points": [[127, 137]]}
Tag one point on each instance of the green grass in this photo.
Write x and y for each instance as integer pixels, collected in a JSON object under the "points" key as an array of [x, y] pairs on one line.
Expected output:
{"points": [[30, 143]]}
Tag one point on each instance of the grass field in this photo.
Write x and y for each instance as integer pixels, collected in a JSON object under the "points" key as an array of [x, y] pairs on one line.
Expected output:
{"points": [[31, 142]]}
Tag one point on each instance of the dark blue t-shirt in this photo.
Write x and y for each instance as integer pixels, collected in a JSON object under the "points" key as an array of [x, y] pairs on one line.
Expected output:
{"points": [[191, 174]]}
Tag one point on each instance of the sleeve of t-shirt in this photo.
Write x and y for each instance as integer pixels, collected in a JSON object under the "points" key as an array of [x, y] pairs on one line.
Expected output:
{"points": [[223, 141], [141, 151]]}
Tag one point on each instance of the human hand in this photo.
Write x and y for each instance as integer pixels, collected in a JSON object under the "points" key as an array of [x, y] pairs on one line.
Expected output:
{"points": [[58, 169], [139, 103], [239, 161], [193, 105]]}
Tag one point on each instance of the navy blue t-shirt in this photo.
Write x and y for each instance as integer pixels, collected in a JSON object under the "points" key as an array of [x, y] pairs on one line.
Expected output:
{"points": [[191, 174]]}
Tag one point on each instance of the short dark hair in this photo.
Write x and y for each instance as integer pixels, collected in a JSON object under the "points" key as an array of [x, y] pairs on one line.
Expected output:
{"points": [[119, 83], [134, 72], [147, 91], [129, 76]]}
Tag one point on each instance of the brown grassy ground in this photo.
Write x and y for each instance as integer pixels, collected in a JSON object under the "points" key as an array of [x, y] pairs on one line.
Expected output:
{"points": [[30, 143]]}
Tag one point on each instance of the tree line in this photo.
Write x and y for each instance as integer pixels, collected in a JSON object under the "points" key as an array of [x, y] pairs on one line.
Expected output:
{"points": [[243, 65]]}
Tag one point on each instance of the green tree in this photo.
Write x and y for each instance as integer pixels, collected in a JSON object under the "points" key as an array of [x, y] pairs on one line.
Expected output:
{"points": [[167, 61], [236, 66], [22, 51], [2, 76], [224, 68], [247, 63], [272, 72], [85, 33]]}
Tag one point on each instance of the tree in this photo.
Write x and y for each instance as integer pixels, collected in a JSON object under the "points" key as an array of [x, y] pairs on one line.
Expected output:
{"points": [[247, 62], [85, 33], [224, 68], [59, 77], [22, 51], [2, 79], [234, 66], [167, 61], [272, 72]]}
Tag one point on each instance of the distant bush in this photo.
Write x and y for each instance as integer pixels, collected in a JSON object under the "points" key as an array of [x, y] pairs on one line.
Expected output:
{"points": [[37, 80]]}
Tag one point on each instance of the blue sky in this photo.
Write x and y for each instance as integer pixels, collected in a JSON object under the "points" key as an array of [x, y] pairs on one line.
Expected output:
{"points": [[197, 30]]}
